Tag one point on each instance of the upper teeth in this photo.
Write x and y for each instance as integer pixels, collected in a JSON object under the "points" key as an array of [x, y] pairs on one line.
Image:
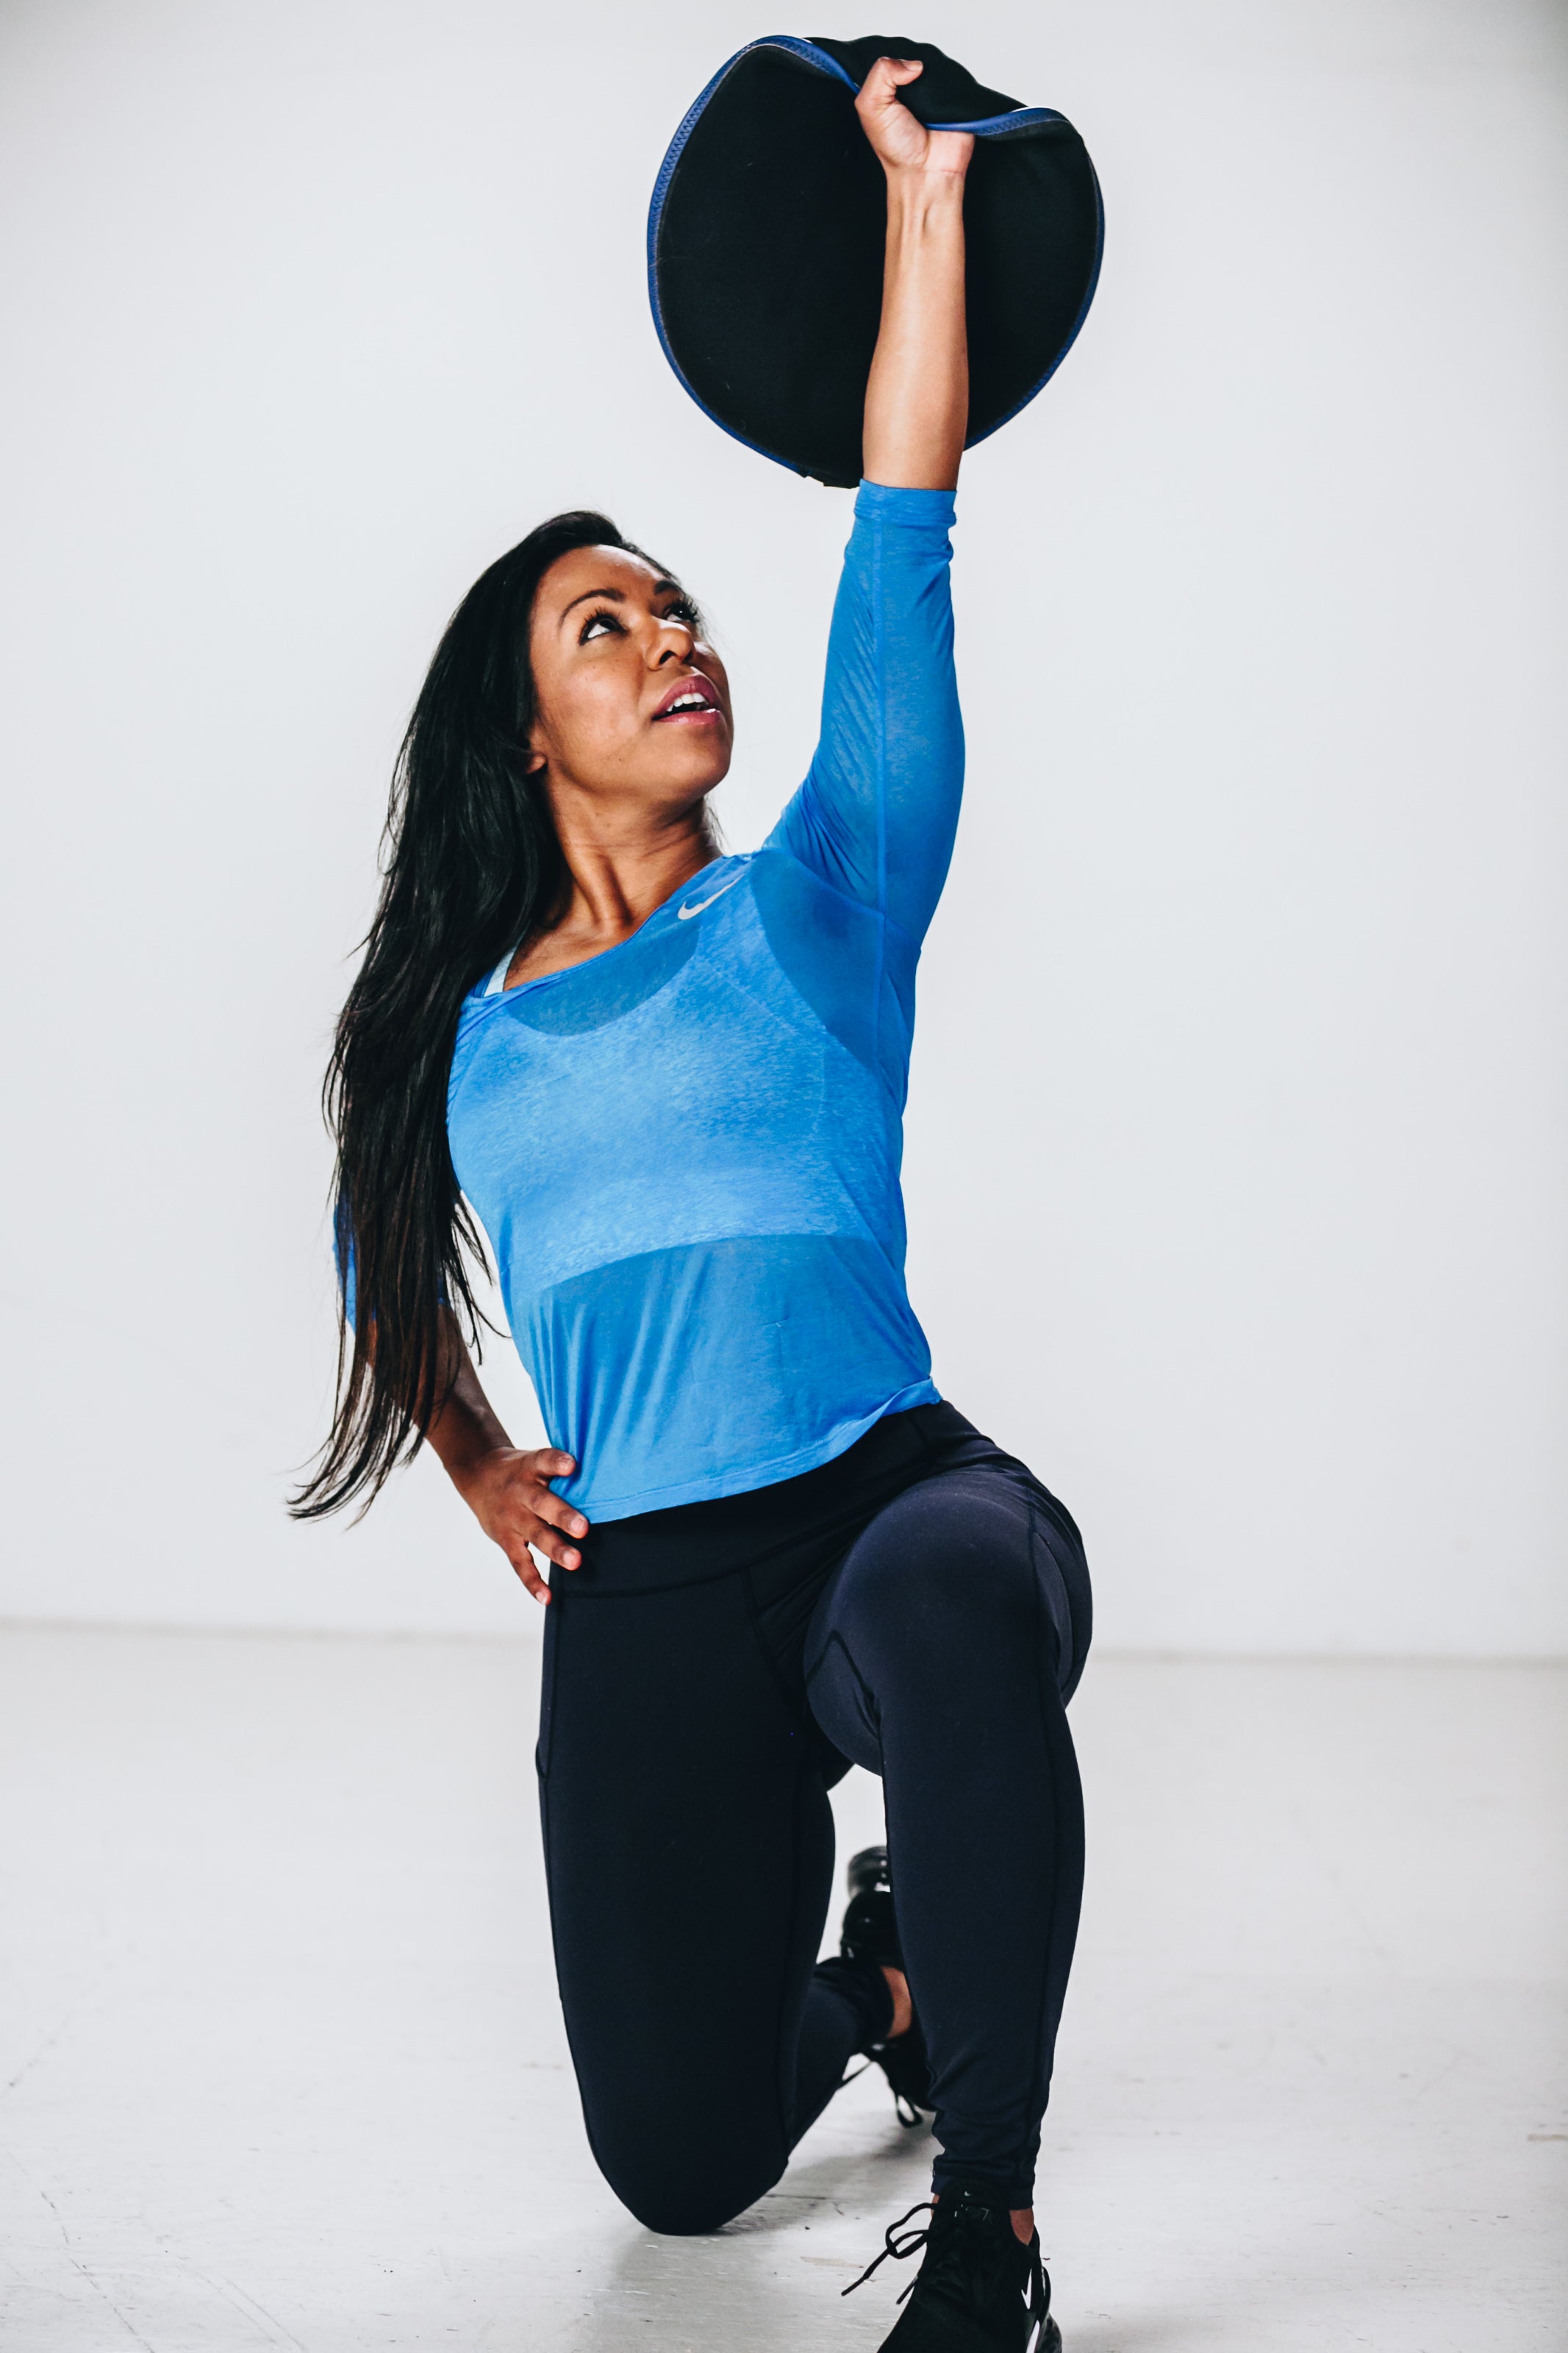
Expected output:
{"points": [[692, 702]]}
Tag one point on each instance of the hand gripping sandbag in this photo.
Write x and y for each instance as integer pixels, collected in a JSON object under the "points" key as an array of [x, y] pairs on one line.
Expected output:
{"points": [[765, 237]]}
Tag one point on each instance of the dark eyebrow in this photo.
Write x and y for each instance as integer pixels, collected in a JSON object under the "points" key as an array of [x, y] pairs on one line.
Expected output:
{"points": [[618, 595]]}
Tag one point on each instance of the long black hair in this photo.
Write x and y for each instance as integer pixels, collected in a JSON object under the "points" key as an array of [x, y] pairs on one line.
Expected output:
{"points": [[473, 865]]}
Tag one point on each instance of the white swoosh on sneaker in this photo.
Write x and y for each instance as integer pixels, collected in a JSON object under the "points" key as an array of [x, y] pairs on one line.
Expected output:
{"points": [[1029, 2295], [686, 913]]}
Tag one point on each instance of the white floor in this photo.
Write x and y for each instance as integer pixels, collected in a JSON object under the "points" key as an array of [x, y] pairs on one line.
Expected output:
{"points": [[283, 2063]]}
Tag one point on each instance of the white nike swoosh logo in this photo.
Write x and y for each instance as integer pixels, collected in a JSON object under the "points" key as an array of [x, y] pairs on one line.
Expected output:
{"points": [[686, 913], [1029, 2297]]}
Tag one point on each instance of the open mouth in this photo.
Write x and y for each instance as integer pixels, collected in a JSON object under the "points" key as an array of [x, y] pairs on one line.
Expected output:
{"points": [[695, 697]]}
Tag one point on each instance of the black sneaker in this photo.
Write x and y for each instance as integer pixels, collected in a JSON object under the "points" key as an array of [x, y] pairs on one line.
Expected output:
{"points": [[979, 2290], [870, 1933]]}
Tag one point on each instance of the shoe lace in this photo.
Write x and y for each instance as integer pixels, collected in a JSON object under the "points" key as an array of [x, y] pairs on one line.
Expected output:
{"points": [[901, 2249], [961, 2233]]}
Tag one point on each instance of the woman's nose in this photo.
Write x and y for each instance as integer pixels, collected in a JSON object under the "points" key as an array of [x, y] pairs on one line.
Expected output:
{"points": [[663, 651]]}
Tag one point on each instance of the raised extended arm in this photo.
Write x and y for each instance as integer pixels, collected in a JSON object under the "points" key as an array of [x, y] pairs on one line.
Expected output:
{"points": [[876, 814], [917, 401]]}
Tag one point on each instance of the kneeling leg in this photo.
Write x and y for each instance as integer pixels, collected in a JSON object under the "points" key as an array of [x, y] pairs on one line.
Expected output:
{"points": [[689, 1846]]}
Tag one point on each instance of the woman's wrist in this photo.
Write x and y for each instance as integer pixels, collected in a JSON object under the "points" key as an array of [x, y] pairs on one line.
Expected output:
{"points": [[916, 189], [463, 1440], [467, 1469]]}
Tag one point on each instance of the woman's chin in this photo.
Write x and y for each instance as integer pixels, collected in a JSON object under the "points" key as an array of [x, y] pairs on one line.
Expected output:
{"points": [[697, 768]]}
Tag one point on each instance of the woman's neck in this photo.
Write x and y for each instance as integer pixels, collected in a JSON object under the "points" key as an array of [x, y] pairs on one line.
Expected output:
{"points": [[618, 877]]}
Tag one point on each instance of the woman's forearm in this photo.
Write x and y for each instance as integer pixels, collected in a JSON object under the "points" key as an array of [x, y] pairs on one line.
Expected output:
{"points": [[505, 1487], [917, 401], [465, 1425]]}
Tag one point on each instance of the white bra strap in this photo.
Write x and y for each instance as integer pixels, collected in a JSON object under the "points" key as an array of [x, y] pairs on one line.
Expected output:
{"points": [[497, 980]]}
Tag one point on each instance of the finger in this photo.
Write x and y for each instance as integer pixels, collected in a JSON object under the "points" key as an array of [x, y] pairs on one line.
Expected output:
{"points": [[889, 76], [554, 1464], [551, 1508], [556, 1548], [524, 1568], [880, 88]]}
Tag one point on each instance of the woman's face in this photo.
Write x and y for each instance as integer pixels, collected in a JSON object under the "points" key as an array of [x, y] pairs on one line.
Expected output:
{"points": [[631, 700]]}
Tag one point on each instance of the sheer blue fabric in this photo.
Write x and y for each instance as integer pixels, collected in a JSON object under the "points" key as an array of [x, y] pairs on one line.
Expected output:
{"points": [[685, 1152]]}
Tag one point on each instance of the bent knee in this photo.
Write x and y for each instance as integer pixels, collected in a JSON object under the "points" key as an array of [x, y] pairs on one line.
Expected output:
{"points": [[685, 2202], [936, 1551], [673, 2220]]}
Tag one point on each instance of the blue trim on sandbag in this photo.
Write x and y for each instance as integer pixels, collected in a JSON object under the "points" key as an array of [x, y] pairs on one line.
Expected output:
{"points": [[994, 126]]}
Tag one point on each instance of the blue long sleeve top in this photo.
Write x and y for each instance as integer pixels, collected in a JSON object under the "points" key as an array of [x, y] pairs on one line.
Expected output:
{"points": [[685, 1150]]}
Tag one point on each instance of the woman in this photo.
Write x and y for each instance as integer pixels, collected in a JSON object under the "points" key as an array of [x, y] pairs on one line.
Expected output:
{"points": [[776, 1548]]}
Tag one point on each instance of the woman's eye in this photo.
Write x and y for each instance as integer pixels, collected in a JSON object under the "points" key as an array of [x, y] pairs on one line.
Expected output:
{"points": [[596, 622], [683, 610]]}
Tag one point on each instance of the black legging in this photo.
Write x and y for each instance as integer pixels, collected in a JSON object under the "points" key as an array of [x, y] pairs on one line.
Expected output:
{"points": [[921, 1607]]}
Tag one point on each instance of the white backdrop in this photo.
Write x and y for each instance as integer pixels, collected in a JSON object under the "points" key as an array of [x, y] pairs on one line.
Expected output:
{"points": [[1237, 1144]]}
